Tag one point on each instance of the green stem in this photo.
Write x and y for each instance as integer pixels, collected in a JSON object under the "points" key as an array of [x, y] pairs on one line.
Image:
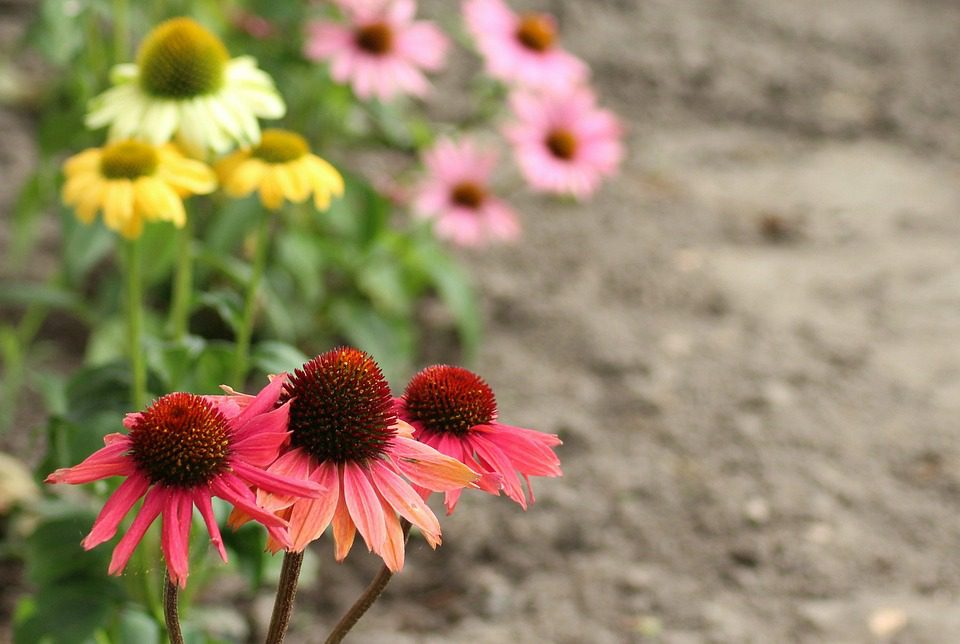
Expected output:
{"points": [[182, 284], [121, 31], [244, 333], [138, 367], [286, 592], [170, 612], [366, 600]]}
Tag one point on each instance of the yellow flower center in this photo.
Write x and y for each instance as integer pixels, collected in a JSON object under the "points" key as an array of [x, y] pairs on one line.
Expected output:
{"points": [[468, 194], [375, 38], [280, 146], [128, 160], [562, 144], [180, 59], [536, 32]]}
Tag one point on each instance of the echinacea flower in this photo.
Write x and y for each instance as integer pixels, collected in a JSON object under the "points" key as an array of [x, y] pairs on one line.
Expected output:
{"points": [[184, 83], [132, 182], [563, 142], [454, 410], [280, 167], [521, 49], [345, 436], [382, 52], [179, 452], [456, 193]]}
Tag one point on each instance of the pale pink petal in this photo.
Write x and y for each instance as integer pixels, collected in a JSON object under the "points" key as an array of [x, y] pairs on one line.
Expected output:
{"points": [[310, 518], [115, 509], [364, 505], [402, 498], [429, 468]]}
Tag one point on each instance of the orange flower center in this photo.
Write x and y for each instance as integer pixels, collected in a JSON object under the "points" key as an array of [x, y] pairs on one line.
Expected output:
{"points": [[536, 32], [375, 38], [128, 160], [562, 144], [342, 409], [445, 399], [468, 194], [181, 440], [280, 146]]}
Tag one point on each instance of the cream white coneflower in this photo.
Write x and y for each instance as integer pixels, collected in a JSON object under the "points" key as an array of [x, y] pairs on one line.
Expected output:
{"points": [[185, 84]]}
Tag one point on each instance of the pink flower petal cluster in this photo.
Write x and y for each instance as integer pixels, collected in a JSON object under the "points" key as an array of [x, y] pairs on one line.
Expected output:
{"points": [[563, 142], [454, 411], [456, 194], [521, 49], [179, 453], [381, 51]]}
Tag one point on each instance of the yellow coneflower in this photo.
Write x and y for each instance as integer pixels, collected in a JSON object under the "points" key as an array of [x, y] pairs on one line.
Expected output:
{"points": [[132, 182], [184, 83], [280, 167]]}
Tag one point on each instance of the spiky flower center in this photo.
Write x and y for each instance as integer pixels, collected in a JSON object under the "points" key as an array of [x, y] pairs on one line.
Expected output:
{"points": [[375, 38], [128, 160], [468, 194], [180, 59], [452, 400], [536, 32], [342, 409], [280, 146], [181, 440], [562, 144]]}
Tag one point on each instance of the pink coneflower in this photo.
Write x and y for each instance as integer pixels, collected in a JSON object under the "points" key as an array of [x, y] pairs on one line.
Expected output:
{"points": [[181, 451], [563, 142], [382, 51], [346, 437], [457, 195], [521, 49], [454, 410]]}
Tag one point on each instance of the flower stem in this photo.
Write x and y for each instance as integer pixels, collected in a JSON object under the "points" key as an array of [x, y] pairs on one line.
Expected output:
{"points": [[170, 612], [182, 284], [138, 368], [365, 601], [286, 591], [121, 31], [241, 355]]}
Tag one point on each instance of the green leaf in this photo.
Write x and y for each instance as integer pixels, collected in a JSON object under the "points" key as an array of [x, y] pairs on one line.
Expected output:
{"points": [[22, 294], [137, 627], [227, 304], [390, 341], [277, 357], [68, 613], [84, 246]]}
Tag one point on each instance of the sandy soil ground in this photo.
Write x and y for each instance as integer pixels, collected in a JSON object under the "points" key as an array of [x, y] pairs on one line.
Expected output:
{"points": [[750, 344]]}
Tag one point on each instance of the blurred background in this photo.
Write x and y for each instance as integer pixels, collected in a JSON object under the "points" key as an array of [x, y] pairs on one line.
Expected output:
{"points": [[749, 343]]}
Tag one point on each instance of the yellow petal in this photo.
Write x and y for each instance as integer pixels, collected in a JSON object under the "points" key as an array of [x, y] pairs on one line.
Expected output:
{"points": [[158, 201], [86, 161], [271, 190], [90, 202], [246, 178], [118, 205], [186, 175], [292, 182]]}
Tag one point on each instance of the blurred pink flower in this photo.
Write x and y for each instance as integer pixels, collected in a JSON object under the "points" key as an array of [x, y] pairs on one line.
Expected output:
{"points": [[563, 142], [382, 52], [521, 49], [254, 25], [181, 451], [345, 436], [457, 195], [454, 411]]}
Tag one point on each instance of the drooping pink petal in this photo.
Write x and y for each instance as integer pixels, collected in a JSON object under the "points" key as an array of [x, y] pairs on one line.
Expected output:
{"points": [[106, 462], [364, 505], [201, 498], [403, 500], [231, 489], [500, 463], [310, 517], [429, 468], [153, 504], [262, 403], [528, 450], [394, 543], [115, 509], [270, 482], [175, 535], [344, 529]]}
